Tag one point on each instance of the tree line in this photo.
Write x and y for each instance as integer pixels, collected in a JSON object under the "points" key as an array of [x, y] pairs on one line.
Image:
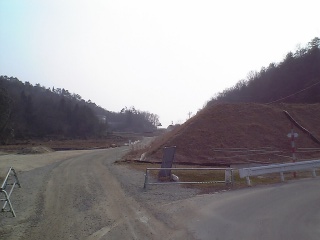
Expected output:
{"points": [[296, 79], [28, 111]]}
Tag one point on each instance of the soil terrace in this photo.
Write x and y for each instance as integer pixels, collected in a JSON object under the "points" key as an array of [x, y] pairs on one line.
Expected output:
{"points": [[251, 126], [44, 145]]}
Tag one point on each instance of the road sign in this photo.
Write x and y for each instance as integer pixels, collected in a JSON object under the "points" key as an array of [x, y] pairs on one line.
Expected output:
{"points": [[295, 135]]}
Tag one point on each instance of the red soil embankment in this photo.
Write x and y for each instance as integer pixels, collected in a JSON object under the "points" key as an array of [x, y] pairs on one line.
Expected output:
{"points": [[251, 126]]}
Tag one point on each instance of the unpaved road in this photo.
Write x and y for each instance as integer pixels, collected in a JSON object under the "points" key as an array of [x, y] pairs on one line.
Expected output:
{"points": [[83, 195], [80, 198]]}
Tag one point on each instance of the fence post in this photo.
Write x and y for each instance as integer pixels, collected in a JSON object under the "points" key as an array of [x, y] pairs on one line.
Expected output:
{"points": [[248, 181], [228, 176], [146, 179], [232, 176], [293, 135]]}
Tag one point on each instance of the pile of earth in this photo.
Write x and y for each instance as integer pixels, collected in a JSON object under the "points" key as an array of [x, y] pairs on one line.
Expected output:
{"points": [[56, 144], [226, 134], [35, 150]]}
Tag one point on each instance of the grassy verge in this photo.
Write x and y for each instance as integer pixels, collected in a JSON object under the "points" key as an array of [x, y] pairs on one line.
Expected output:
{"points": [[216, 175]]}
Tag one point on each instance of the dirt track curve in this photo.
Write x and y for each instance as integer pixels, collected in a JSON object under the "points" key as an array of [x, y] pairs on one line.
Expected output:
{"points": [[80, 198], [83, 195]]}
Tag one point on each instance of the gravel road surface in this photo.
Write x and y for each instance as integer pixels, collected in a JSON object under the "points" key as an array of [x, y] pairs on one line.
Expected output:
{"points": [[84, 195]]}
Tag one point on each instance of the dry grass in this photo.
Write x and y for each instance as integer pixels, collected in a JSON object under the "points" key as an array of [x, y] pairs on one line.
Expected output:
{"points": [[214, 175]]}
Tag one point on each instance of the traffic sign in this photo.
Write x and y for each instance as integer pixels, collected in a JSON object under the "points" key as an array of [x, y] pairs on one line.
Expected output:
{"points": [[295, 135]]}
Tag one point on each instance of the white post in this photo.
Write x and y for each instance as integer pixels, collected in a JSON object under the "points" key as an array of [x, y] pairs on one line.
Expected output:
{"points": [[146, 179], [293, 148], [248, 181]]}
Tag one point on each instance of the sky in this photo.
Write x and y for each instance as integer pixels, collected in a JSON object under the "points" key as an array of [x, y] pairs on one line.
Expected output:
{"points": [[166, 57]]}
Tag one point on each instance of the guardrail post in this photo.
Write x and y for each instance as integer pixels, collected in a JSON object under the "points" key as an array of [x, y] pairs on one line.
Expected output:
{"points": [[248, 181], [311, 165], [146, 179], [228, 176], [232, 177]]}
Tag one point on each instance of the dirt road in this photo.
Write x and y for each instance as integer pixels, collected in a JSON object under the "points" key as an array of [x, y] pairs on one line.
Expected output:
{"points": [[80, 198], [84, 195]]}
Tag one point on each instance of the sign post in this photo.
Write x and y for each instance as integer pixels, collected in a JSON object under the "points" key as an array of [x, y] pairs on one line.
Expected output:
{"points": [[167, 160], [293, 135]]}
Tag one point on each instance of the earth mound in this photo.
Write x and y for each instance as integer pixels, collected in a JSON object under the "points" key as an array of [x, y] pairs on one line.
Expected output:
{"points": [[226, 134], [35, 150]]}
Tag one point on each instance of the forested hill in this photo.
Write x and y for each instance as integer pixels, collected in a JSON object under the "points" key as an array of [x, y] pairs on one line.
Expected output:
{"points": [[294, 80], [28, 111]]}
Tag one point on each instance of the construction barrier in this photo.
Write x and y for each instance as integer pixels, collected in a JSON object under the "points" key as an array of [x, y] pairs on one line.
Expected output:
{"points": [[10, 181]]}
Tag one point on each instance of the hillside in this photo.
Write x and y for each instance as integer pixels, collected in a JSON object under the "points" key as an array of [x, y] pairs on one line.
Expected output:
{"points": [[294, 80], [37, 112], [239, 125], [205, 138]]}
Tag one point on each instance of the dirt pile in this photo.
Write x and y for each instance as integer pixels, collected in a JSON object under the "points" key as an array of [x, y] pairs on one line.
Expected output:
{"points": [[224, 134], [35, 150], [38, 145]]}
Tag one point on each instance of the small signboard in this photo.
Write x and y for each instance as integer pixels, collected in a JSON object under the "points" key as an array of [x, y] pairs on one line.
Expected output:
{"points": [[295, 135], [167, 160]]}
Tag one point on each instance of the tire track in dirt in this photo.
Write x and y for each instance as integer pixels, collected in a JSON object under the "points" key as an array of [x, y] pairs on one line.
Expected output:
{"points": [[80, 198]]}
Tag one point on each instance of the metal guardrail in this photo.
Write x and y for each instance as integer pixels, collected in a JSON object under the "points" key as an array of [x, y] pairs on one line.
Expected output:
{"points": [[3, 189], [279, 168], [228, 176]]}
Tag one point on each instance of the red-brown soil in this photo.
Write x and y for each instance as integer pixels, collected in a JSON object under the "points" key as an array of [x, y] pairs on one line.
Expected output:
{"points": [[67, 144], [207, 137]]}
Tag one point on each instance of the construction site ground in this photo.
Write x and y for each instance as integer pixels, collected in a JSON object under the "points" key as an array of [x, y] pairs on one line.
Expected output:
{"points": [[227, 134]]}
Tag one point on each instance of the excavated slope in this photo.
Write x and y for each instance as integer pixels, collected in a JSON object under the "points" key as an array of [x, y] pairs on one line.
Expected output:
{"points": [[208, 137]]}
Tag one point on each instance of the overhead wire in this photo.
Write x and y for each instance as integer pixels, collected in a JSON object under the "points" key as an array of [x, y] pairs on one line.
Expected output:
{"points": [[295, 93]]}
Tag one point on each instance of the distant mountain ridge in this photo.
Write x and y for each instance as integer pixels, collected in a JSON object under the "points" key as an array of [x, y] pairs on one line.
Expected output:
{"points": [[28, 111]]}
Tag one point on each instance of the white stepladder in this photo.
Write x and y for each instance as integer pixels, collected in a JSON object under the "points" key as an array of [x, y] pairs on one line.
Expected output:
{"points": [[9, 183]]}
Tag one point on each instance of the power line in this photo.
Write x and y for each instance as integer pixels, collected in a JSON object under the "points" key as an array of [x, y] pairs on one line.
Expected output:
{"points": [[295, 93]]}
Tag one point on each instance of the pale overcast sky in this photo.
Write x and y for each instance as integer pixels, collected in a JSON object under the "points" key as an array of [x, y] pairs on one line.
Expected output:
{"points": [[165, 57]]}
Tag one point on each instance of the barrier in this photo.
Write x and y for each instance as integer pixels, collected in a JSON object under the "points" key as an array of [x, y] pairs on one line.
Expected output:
{"points": [[279, 168], [3, 189], [228, 176]]}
